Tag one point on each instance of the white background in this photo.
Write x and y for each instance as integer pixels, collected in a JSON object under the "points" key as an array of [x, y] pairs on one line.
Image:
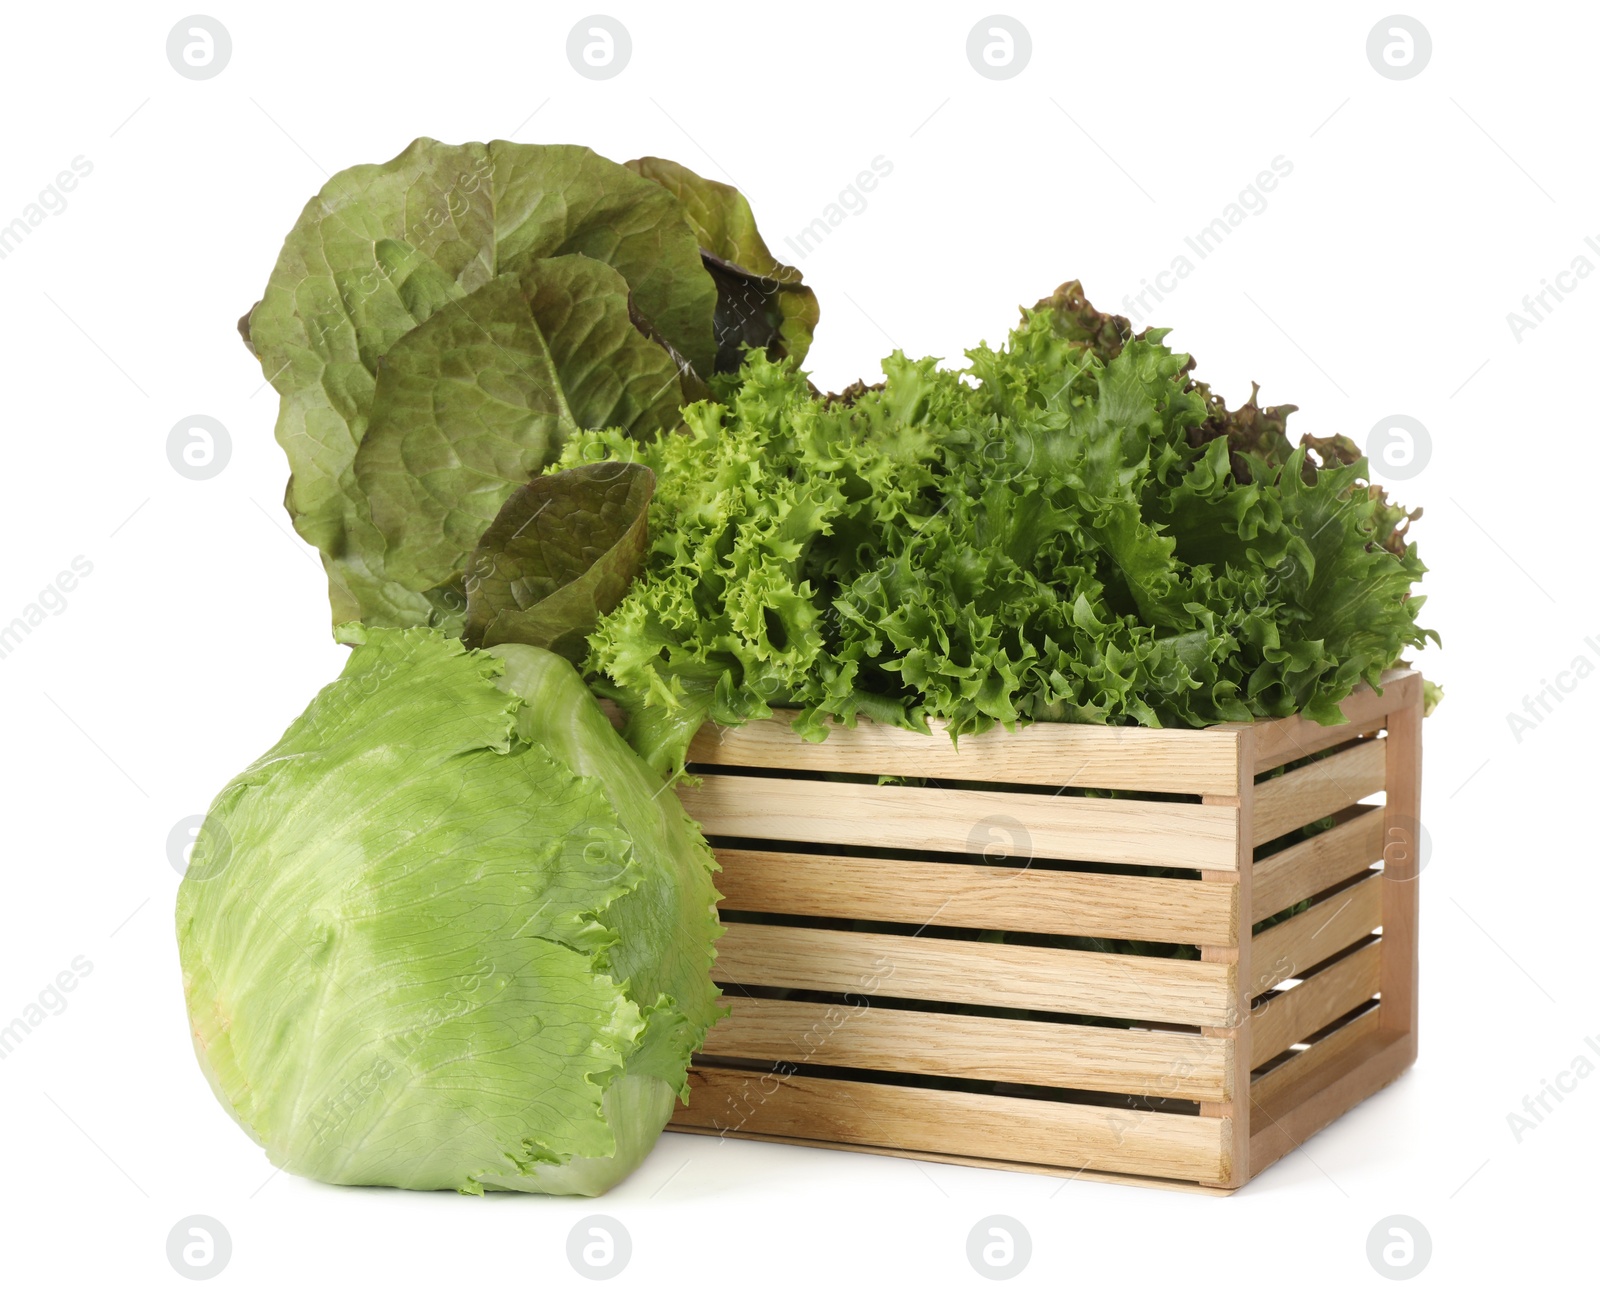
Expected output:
{"points": [[1377, 281]]}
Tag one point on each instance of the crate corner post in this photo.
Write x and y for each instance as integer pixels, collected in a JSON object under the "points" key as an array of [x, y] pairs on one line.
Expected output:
{"points": [[1235, 1110]]}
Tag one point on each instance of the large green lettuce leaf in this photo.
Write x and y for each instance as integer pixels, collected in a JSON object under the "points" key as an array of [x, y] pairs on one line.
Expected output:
{"points": [[384, 249], [560, 555], [761, 302], [447, 932]]}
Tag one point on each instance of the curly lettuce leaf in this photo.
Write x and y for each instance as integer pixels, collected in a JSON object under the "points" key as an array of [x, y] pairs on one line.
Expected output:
{"points": [[1038, 537]]}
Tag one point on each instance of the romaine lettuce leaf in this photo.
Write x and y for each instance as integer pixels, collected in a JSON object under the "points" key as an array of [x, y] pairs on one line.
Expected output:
{"points": [[459, 283], [560, 555]]}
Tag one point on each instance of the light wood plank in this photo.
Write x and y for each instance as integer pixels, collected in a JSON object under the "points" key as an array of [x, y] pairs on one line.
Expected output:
{"points": [[1113, 1139], [1299, 1013], [1235, 1110], [1100, 830], [977, 1163], [1401, 826], [1307, 794], [1133, 759], [1184, 991], [1317, 863], [1327, 1054], [1290, 947], [994, 897], [1165, 1064], [1321, 1095], [1280, 741]]}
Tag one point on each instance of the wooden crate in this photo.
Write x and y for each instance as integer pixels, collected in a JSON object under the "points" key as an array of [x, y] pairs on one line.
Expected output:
{"points": [[868, 1011]]}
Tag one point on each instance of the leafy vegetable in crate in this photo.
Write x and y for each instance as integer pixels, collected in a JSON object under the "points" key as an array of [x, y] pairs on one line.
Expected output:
{"points": [[1068, 529], [440, 325], [447, 933]]}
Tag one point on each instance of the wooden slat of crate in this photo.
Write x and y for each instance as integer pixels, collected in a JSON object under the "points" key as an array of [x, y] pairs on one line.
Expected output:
{"points": [[1103, 831], [1187, 992], [1280, 741], [1289, 948], [1299, 1013], [1317, 863], [1114, 1139], [1309, 793], [1235, 953], [1268, 1090], [977, 1163], [1401, 825], [1166, 1064], [1009, 897], [1320, 1097], [1052, 755]]}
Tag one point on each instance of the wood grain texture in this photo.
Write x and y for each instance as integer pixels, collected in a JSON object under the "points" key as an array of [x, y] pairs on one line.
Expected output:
{"points": [[1299, 1013], [1289, 948], [1331, 1054], [1166, 1064], [1010, 897], [1111, 1139], [1300, 871], [977, 1163], [1237, 953], [1309, 793], [1280, 741], [1402, 826], [1322, 1095], [1099, 830], [977, 972], [1198, 761]]}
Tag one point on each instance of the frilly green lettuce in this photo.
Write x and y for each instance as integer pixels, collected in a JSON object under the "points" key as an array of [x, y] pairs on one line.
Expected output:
{"points": [[1068, 529]]}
